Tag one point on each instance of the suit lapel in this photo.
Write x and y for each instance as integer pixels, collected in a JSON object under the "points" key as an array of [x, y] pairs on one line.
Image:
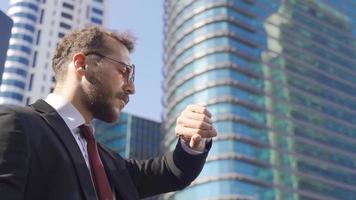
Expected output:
{"points": [[117, 174], [64, 134]]}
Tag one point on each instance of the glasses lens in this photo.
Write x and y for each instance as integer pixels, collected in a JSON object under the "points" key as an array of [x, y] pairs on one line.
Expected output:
{"points": [[132, 73]]}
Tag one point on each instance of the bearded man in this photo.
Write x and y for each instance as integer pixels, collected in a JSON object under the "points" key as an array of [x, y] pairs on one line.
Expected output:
{"points": [[48, 149]]}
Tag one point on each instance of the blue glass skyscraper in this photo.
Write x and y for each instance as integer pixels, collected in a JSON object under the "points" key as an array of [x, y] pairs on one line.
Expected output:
{"points": [[279, 77], [131, 136]]}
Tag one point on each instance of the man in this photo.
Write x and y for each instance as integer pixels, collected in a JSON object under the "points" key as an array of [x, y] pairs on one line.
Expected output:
{"points": [[47, 150]]}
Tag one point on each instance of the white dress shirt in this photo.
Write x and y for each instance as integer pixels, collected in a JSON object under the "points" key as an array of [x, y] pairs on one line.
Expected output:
{"points": [[73, 120]]}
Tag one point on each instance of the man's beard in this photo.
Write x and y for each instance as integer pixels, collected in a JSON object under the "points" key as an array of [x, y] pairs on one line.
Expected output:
{"points": [[99, 101]]}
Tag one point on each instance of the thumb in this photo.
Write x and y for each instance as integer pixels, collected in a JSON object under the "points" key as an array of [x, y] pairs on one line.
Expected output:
{"points": [[194, 141]]}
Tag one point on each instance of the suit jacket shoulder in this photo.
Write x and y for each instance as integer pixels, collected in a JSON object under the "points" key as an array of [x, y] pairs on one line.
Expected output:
{"points": [[39, 157]]}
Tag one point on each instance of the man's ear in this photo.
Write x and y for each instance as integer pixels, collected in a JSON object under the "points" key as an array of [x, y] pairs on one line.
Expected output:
{"points": [[79, 63]]}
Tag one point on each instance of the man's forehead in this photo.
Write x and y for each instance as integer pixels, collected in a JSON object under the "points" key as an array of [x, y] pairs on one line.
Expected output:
{"points": [[117, 50]]}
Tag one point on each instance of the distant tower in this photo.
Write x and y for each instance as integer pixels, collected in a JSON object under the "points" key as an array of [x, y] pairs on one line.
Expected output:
{"points": [[133, 137], [38, 26], [5, 32]]}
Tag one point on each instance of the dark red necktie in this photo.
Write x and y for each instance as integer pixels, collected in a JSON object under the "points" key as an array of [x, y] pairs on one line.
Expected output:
{"points": [[102, 186]]}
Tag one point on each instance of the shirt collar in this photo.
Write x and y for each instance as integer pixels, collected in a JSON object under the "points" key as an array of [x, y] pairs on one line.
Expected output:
{"points": [[66, 110]]}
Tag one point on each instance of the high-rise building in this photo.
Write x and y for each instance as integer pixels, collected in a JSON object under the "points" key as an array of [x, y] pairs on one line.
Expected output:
{"points": [[5, 32], [131, 136], [38, 26], [279, 77]]}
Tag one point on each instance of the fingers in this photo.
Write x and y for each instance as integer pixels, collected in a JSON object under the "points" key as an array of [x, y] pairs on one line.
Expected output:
{"points": [[193, 120], [188, 133], [199, 117], [194, 124], [198, 109]]}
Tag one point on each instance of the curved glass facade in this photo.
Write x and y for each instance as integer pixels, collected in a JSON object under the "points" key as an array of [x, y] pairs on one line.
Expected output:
{"points": [[279, 78]]}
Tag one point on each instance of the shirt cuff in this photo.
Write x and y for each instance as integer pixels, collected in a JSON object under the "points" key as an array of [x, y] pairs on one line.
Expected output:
{"points": [[199, 150]]}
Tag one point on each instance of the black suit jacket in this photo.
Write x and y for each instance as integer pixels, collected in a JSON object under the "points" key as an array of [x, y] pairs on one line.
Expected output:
{"points": [[40, 159]]}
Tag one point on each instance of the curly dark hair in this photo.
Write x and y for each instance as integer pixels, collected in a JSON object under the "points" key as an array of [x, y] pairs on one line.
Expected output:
{"points": [[84, 40]]}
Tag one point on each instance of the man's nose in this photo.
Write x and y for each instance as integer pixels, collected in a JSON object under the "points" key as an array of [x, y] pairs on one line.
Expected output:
{"points": [[129, 87]]}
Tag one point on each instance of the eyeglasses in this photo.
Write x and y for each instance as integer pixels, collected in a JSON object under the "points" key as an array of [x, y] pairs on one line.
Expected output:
{"points": [[128, 70]]}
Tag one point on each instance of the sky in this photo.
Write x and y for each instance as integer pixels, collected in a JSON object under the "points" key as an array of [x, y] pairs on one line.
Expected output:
{"points": [[145, 20]]}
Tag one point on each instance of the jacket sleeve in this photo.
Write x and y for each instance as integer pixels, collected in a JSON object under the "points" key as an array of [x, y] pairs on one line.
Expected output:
{"points": [[172, 171], [14, 156]]}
